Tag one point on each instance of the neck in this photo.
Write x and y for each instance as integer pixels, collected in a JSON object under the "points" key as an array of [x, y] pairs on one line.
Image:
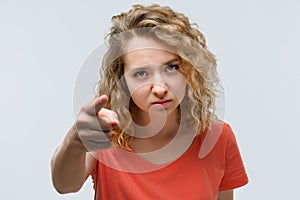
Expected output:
{"points": [[154, 130]]}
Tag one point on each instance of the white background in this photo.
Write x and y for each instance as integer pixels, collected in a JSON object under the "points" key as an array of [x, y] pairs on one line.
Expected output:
{"points": [[43, 44]]}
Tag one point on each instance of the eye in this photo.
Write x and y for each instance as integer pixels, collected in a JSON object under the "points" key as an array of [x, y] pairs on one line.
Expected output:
{"points": [[140, 74], [171, 68]]}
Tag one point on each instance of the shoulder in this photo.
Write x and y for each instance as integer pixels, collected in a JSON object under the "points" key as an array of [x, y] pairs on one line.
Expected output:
{"points": [[216, 136]]}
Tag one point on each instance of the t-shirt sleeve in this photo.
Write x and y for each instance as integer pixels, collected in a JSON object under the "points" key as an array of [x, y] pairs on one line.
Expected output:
{"points": [[235, 174]]}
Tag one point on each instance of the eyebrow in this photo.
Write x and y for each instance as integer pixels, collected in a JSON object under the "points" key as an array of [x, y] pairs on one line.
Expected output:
{"points": [[171, 61]]}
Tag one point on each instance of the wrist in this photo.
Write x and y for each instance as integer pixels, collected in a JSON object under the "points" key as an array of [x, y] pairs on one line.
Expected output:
{"points": [[73, 141]]}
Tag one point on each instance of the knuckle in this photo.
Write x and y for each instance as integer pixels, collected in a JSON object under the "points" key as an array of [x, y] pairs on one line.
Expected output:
{"points": [[81, 121], [105, 127], [114, 114], [83, 109]]}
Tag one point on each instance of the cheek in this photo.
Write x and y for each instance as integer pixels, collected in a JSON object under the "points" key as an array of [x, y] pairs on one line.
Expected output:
{"points": [[140, 96], [131, 85], [136, 88], [178, 87], [138, 92]]}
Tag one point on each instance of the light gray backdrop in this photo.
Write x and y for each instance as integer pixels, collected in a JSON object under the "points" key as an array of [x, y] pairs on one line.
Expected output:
{"points": [[43, 44]]}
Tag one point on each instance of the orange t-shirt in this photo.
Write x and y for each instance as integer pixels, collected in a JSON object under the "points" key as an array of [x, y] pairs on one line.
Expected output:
{"points": [[118, 175]]}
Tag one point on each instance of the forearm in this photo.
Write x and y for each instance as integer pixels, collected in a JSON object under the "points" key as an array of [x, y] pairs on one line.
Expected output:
{"points": [[68, 165], [226, 195]]}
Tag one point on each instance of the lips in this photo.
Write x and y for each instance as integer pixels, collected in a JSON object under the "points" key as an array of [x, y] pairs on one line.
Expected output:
{"points": [[161, 102]]}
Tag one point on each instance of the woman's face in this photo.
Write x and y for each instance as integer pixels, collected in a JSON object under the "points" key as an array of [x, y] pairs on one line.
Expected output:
{"points": [[152, 76]]}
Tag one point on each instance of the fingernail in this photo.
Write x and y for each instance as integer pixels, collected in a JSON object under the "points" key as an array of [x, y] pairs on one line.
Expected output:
{"points": [[115, 123]]}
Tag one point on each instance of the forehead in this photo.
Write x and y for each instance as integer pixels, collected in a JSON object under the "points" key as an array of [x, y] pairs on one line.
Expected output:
{"points": [[143, 51]]}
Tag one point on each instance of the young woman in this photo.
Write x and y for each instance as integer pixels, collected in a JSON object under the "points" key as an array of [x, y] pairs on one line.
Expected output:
{"points": [[151, 131]]}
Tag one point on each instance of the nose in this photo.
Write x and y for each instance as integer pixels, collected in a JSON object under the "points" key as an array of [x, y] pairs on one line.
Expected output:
{"points": [[159, 90]]}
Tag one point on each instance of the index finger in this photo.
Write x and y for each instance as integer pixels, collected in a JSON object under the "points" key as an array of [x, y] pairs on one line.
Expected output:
{"points": [[95, 106]]}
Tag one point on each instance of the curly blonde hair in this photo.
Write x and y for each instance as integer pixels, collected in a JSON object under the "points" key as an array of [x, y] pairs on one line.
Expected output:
{"points": [[173, 29]]}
